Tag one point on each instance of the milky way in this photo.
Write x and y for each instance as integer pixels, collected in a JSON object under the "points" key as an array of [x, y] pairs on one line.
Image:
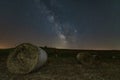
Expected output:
{"points": [[82, 24], [66, 32]]}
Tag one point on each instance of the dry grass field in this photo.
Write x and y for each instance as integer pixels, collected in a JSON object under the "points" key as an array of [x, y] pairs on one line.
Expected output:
{"points": [[62, 65]]}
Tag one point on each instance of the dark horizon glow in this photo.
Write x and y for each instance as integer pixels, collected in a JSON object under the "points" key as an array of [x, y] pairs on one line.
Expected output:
{"points": [[74, 24]]}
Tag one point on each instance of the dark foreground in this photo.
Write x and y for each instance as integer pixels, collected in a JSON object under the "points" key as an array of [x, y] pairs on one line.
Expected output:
{"points": [[66, 68]]}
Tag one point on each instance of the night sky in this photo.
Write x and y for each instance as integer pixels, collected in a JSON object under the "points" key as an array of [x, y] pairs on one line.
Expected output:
{"points": [[78, 24]]}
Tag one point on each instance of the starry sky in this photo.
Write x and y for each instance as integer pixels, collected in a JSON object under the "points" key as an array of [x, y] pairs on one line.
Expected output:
{"points": [[76, 24]]}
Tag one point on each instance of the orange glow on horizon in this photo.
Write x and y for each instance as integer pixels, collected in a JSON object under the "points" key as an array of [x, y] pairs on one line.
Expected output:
{"points": [[4, 46]]}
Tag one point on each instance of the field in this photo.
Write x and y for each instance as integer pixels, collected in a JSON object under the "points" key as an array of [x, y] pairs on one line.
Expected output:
{"points": [[62, 65]]}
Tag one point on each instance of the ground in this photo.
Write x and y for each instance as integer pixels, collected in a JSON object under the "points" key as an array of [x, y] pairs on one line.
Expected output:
{"points": [[66, 68]]}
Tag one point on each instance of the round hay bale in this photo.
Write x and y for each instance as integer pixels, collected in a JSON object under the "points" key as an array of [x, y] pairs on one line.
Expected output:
{"points": [[84, 58], [26, 58]]}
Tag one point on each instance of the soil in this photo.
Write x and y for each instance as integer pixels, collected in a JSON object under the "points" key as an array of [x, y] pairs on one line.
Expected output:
{"points": [[66, 68]]}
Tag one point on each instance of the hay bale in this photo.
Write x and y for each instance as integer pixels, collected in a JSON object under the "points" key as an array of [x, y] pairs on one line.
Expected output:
{"points": [[85, 58], [26, 58]]}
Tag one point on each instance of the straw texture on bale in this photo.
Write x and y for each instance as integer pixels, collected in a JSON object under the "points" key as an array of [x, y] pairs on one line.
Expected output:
{"points": [[25, 58], [85, 58]]}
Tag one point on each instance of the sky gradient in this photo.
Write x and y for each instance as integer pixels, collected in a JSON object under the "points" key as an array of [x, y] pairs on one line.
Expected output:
{"points": [[79, 24]]}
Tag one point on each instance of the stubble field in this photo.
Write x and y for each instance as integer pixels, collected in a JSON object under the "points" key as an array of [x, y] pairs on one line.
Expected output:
{"points": [[63, 65]]}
